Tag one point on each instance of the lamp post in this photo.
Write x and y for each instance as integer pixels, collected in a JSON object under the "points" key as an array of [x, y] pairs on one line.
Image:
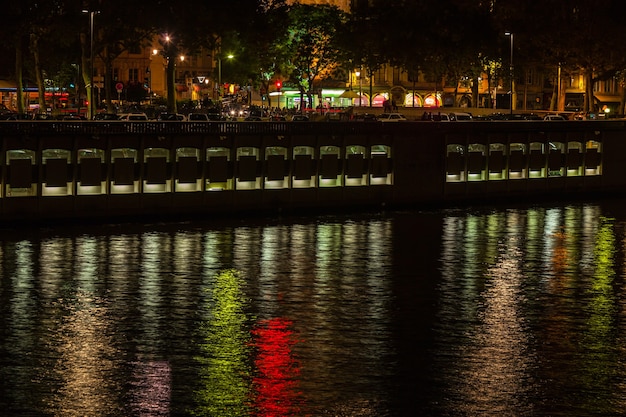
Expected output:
{"points": [[219, 73], [90, 108], [155, 52], [558, 88], [358, 74], [510, 34]]}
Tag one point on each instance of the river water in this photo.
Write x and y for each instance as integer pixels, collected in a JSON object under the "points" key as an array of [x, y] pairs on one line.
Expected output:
{"points": [[459, 312]]}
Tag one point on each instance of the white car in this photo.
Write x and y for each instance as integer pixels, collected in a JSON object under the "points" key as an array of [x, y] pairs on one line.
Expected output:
{"points": [[135, 117], [554, 117], [391, 117]]}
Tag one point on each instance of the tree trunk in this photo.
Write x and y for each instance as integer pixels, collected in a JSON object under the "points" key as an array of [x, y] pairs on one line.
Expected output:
{"points": [[171, 87], [108, 80], [265, 84], [589, 99], [475, 92], [489, 103], [86, 71], [41, 88], [19, 64], [554, 98], [369, 73]]}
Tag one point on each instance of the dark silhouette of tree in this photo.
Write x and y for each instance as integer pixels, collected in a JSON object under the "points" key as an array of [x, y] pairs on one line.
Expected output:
{"points": [[579, 36], [16, 30], [264, 44], [369, 40], [454, 41], [197, 25], [120, 26]]}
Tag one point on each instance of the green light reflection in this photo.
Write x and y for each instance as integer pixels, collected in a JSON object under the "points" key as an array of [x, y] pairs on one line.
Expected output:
{"points": [[225, 371], [601, 358]]}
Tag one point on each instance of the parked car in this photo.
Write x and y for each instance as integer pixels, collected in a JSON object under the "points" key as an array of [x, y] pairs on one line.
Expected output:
{"points": [[392, 117], [440, 117], [135, 117], [492, 116], [300, 118], [197, 117], [588, 116], [214, 116], [171, 117], [365, 117], [9, 116], [532, 116], [554, 117], [505, 116], [458, 117], [42, 116], [135, 120], [514, 116], [106, 116], [73, 117]]}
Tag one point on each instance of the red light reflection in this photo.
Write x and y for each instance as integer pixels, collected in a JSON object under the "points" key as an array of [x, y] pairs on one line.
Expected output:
{"points": [[276, 381]]}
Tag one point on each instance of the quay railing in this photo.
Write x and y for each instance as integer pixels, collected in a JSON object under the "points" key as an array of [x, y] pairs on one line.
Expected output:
{"points": [[63, 167]]}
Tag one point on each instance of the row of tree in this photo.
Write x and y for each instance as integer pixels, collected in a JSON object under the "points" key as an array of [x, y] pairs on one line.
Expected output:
{"points": [[303, 44]]}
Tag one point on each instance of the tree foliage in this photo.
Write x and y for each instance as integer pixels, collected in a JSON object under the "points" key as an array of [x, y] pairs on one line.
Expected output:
{"points": [[312, 48], [455, 40]]}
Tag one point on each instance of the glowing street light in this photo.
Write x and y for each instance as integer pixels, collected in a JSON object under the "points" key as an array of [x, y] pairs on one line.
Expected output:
{"points": [[219, 73], [511, 70], [358, 74], [90, 108]]}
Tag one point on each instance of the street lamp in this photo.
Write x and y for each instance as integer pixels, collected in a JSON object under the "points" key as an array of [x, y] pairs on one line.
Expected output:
{"points": [[358, 74], [90, 108], [510, 34], [219, 73], [155, 52]]}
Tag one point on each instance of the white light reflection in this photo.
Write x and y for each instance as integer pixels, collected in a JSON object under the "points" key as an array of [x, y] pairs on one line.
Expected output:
{"points": [[302, 263], [212, 262], [156, 253], [247, 248], [186, 251], [85, 351], [275, 268], [89, 256], [495, 366], [122, 253], [22, 304], [151, 387]]}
